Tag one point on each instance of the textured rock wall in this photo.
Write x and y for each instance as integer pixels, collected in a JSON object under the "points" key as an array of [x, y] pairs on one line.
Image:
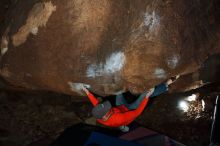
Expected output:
{"points": [[110, 45]]}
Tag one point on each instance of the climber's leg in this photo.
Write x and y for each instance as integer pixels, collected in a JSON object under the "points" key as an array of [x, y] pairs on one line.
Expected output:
{"points": [[120, 100], [137, 102]]}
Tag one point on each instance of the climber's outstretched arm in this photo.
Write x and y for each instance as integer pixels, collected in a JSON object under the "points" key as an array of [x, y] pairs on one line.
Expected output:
{"points": [[91, 97]]}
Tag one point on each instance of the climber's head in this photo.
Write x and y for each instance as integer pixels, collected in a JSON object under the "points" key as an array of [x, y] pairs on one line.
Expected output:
{"points": [[100, 110]]}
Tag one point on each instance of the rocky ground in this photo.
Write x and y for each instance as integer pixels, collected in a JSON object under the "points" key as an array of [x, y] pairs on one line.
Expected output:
{"points": [[29, 117], [37, 118]]}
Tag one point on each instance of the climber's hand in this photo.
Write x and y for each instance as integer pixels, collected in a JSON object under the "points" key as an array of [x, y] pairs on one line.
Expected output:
{"points": [[172, 80], [84, 89]]}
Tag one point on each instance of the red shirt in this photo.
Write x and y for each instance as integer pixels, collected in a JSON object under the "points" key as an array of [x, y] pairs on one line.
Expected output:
{"points": [[120, 115]]}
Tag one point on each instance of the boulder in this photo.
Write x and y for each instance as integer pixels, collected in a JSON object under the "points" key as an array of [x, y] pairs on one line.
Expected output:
{"points": [[110, 45]]}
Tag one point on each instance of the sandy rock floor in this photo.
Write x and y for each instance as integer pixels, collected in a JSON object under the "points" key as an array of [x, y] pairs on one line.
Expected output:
{"points": [[34, 118]]}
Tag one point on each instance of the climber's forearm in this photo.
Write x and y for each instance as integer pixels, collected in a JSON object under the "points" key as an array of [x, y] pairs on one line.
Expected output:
{"points": [[91, 97]]}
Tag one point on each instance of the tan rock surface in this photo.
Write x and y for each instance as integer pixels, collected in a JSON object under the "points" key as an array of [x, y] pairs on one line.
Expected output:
{"points": [[110, 45]]}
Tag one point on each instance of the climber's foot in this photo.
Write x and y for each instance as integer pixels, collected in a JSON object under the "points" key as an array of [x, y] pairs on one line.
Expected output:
{"points": [[124, 128]]}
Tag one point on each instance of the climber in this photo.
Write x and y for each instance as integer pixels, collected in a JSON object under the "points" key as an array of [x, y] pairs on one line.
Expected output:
{"points": [[123, 113]]}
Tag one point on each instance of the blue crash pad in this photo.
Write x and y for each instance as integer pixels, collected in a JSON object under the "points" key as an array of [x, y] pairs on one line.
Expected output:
{"points": [[98, 139]]}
